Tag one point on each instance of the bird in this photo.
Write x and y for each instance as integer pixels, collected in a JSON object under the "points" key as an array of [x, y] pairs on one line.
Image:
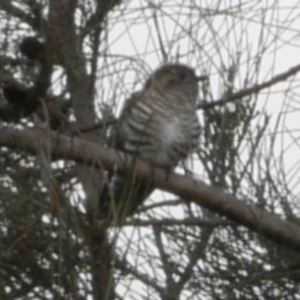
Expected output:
{"points": [[158, 124], [22, 99], [32, 48]]}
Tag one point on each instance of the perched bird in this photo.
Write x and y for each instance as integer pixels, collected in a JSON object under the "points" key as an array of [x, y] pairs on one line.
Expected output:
{"points": [[23, 100], [32, 48], [159, 124]]}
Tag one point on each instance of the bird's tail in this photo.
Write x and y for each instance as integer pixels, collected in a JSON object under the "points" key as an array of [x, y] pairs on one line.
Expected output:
{"points": [[122, 196]]}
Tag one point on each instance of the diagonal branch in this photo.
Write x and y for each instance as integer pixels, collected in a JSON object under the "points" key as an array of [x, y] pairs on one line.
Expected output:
{"points": [[127, 268], [82, 151], [252, 90]]}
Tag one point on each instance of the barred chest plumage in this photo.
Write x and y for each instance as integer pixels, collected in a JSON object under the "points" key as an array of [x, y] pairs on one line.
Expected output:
{"points": [[161, 130]]}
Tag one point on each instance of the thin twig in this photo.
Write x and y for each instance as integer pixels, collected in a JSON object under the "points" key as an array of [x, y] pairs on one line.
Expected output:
{"points": [[252, 90]]}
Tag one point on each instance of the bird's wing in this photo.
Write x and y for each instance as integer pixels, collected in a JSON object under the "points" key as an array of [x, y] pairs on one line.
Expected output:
{"points": [[126, 112]]}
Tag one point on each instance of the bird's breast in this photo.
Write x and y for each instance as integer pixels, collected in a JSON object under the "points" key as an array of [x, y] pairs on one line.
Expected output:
{"points": [[171, 132], [161, 137]]}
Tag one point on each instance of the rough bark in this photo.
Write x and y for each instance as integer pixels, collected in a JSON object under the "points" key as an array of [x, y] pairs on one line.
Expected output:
{"points": [[88, 153]]}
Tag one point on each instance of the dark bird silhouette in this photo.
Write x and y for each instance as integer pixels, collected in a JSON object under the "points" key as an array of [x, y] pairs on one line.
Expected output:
{"points": [[159, 124], [23, 100], [32, 48]]}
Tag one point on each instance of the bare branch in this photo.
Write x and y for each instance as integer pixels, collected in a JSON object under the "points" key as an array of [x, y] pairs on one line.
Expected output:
{"points": [[252, 90], [214, 222], [81, 151], [124, 266]]}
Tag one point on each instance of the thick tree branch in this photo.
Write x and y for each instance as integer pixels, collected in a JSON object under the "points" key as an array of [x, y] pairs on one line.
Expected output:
{"points": [[82, 151], [214, 222], [64, 41]]}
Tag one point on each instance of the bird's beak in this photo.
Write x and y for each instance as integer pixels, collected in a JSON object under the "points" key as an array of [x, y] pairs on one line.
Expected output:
{"points": [[202, 78]]}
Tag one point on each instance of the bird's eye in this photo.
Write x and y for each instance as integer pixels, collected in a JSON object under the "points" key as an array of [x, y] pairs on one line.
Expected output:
{"points": [[177, 73], [176, 77], [181, 75]]}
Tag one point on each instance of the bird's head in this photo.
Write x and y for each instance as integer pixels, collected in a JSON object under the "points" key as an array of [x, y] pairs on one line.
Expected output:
{"points": [[32, 48], [176, 79]]}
